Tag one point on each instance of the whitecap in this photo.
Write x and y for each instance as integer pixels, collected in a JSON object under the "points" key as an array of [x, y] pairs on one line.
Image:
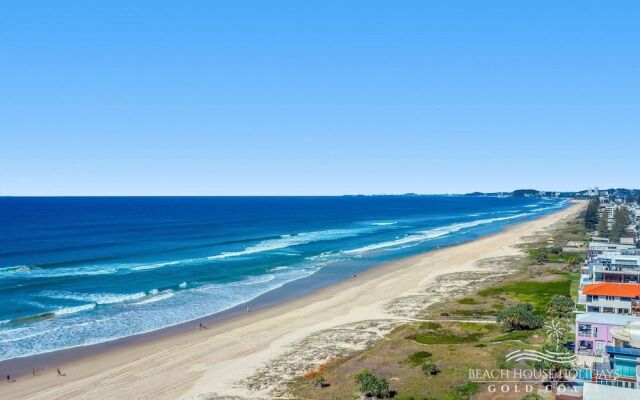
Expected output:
{"points": [[429, 234], [98, 298], [144, 267], [280, 268], [167, 294], [286, 241], [73, 310]]}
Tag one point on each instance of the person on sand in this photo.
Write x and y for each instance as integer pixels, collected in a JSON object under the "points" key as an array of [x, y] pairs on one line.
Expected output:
{"points": [[247, 308], [59, 372]]}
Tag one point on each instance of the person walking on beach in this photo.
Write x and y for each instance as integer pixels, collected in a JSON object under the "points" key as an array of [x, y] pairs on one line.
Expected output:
{"points": [[59, 372], [247, 308]]}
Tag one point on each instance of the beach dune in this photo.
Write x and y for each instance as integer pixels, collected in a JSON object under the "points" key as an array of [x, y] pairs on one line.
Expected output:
{"points": [[243, 357]]}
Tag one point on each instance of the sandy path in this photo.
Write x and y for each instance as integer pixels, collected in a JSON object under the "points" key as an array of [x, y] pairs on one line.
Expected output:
{"points": [[275, 342]]}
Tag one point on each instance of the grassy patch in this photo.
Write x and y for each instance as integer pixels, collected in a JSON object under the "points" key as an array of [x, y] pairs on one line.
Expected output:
{"points": [[575, 284], [418, 357], [430, 325], [444, 338], [475, 313], [462, 392], [537, 293], [468, 300], [515, 335]]}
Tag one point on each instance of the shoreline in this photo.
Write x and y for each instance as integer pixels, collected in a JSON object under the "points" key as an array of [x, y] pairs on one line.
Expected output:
{"points": [[237, 344], [290, 291]]}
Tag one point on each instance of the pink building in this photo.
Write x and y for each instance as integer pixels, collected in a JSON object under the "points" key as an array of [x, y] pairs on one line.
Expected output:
{"points": [[593, 334]]}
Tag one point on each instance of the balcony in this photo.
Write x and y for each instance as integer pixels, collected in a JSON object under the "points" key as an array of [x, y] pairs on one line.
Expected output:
{"points": [[626, 351], [590, 352], [632, 271], [588, 334]]}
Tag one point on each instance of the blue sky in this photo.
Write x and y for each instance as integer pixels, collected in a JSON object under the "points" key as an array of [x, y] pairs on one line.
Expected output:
{"points": [[331, 97]]}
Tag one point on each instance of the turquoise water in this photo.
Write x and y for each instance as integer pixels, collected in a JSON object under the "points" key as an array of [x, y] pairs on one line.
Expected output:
{"points": [[77, 271]]}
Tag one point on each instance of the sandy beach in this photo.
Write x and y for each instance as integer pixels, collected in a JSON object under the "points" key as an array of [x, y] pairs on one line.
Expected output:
{"points": [[251, 356]]}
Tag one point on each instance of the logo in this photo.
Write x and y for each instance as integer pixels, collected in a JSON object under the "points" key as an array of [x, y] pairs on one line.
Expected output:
{"points": [[546, 355], [556, 331]]}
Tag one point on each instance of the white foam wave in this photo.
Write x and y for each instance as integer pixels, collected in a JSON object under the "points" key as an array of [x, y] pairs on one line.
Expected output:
{"points": [[26, 272], [32, 272], [254, 280], [73, 310], [17, 268], [547, 208], [167, 294], [145, 267], [429, 234], [280, 268], [384, 223], [97, 298], [286, 241]]}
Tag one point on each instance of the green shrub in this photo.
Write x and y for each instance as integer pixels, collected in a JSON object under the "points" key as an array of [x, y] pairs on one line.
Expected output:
{"points": [[370, 384], [519, 317], [560, 306], [429, 367]]}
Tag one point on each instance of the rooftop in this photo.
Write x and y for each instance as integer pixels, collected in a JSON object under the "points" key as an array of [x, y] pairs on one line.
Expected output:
{"points": [[607, 319], [627, 241], [612, 289], [609, 246]]}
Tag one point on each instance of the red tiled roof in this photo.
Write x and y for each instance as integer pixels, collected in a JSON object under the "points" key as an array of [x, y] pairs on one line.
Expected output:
{"points": [[612, 289]]}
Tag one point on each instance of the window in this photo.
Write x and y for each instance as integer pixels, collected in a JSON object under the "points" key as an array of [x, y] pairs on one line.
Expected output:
{"points": [[608, 310], [625, 366], [623, 311], [610, 298], [584, 329]]}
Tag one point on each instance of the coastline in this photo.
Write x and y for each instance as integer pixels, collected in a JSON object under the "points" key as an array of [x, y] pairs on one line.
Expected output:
{"points": [[189, 363]]}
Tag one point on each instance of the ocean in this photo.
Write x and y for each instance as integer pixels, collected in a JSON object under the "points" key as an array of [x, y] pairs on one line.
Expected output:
{"points": [[77, 271]]}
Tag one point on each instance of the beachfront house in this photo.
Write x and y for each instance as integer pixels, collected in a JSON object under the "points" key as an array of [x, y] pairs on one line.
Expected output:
{"points": [[620, 366], [597, 248], [593, 335], [612, 298], [622, 266]]}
